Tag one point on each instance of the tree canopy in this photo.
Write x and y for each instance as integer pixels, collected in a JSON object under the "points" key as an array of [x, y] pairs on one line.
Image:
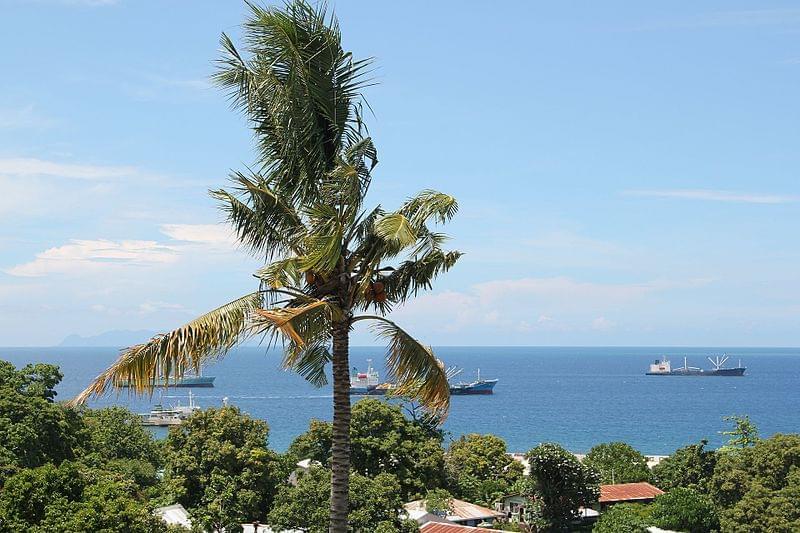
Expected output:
{"points": [[624, 518], [217, 465], [685, 509], [559, 485], [479, 468], [690, 467], [618, 462]]}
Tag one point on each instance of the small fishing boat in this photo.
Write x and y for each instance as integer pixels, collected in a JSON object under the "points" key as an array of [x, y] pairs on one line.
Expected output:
{"points": [[169, 416]]}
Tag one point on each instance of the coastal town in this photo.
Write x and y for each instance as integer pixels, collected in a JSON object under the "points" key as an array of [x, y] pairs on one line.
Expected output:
{"points": [[339, 266]]}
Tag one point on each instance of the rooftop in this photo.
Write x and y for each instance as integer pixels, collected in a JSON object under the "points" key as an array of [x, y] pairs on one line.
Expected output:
{"points": [[624, 492], [459, 510], [440, 527]]}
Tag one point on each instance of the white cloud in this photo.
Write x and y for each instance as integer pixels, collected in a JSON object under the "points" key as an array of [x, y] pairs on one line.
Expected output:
{"points": [[716, 196], [601, 323], [25, 166], [208, 234], [86, 256]]}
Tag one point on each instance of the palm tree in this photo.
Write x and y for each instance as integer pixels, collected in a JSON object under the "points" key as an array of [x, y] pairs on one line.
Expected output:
{"points": [[329, 261]]}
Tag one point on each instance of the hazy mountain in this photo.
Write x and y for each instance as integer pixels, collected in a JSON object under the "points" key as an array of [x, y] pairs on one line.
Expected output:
{"points": [[109, 338]]}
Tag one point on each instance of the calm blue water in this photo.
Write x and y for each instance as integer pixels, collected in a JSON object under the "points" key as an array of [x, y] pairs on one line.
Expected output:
{"points": [[575, 396]]}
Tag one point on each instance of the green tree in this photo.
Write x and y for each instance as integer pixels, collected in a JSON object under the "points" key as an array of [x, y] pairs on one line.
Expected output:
{"points": [[756, 487], [559, 484], [33, 429], [624, 518], [375, 503], [684, 509], [382, 439], [690, 467], [218, 466], [303, 209], [71, 497], [438, 502], [314, 444], [766, 511], [115, 433], [618, 462], [479, 468], [743, 434]]}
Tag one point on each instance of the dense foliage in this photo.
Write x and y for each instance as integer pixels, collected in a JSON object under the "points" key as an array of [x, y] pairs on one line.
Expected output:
{"points": [[382, 439], [218, 466], [624, 518], [480, 470], [691, 466], [375, 503], [68, 470], [559, 484], [685, 509], [617, 462]]}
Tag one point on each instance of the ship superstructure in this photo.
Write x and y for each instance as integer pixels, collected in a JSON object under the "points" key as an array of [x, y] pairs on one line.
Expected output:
{"points": [[369, 384], [662, 367]]}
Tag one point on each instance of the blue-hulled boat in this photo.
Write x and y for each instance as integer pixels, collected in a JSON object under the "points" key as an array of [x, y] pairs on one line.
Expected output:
{"points": [[368, 383]]}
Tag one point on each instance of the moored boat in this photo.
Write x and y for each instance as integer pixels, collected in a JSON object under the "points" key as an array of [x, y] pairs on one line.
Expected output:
{"points": [[189, 381], [169, 416]]}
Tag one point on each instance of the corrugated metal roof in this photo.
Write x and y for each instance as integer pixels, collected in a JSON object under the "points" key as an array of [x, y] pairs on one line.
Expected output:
{"points": [[628, 491], [459, 510], [439, 527]]}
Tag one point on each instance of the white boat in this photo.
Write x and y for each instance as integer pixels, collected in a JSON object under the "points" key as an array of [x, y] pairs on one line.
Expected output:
{"points": [[169, 416]]}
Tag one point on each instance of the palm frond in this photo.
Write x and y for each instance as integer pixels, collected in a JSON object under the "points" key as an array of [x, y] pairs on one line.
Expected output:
{"points": [[169, 355], [300, 325], [396, 229], [417, 274], [418, 372], [429, 204]]}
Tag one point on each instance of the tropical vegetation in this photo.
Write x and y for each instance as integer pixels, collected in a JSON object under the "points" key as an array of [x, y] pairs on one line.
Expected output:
{"points": [[332, 262]]}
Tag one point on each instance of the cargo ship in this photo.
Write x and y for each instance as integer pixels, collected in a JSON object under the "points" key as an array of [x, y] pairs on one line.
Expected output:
{"points": [[189, 380], [369, 384], [664, 368]]}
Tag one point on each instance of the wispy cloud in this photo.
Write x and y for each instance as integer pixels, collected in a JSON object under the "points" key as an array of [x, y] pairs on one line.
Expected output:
{"points": [[26, 117], [716, 196], [88, 256], [26, 166], [80, 257], [733, 18]]}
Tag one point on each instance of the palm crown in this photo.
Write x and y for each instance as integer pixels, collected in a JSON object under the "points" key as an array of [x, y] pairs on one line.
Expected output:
{"points": [[327, 256]]}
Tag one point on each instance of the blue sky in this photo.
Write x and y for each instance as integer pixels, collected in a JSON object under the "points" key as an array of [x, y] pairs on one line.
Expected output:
{"points": [[627, 171]]}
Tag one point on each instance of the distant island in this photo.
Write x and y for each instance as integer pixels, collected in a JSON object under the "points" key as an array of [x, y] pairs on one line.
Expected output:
{"points": [[119, 337]]}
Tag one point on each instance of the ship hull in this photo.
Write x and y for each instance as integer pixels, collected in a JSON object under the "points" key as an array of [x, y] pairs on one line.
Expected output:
{"points": [[480, 387], [720, 372], [193, 382]]}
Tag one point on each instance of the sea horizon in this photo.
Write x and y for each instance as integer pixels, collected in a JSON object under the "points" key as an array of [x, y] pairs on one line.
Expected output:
{"points": [[578, 396]]}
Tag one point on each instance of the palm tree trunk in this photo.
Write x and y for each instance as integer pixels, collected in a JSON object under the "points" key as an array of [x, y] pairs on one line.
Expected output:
{"points": [[340, 462]]}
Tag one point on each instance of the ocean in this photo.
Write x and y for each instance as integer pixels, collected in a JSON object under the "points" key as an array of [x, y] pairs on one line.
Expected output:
{"points": [[577, 396]]}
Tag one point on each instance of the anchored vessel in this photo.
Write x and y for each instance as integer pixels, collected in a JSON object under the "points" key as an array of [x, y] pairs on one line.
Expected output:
{"points": [[189, 380], [368, 383], [169, 416], [663, 368]]}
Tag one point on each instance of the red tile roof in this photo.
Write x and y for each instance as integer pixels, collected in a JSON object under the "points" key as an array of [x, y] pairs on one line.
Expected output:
{"points": [[439, 527], [628, 492]]}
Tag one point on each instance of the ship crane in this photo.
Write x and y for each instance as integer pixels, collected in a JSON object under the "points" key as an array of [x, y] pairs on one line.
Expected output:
{"points": [[718, 362]]}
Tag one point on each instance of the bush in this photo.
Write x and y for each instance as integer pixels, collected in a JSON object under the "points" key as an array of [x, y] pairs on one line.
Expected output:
{"points": [[685, 509], [624, 518]]}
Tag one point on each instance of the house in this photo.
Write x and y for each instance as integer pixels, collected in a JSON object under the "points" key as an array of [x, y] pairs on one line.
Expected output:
{"points": [[514, 506], [626, 493], [461, 512], [443, 527], [301, 468], [174, 515]]}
